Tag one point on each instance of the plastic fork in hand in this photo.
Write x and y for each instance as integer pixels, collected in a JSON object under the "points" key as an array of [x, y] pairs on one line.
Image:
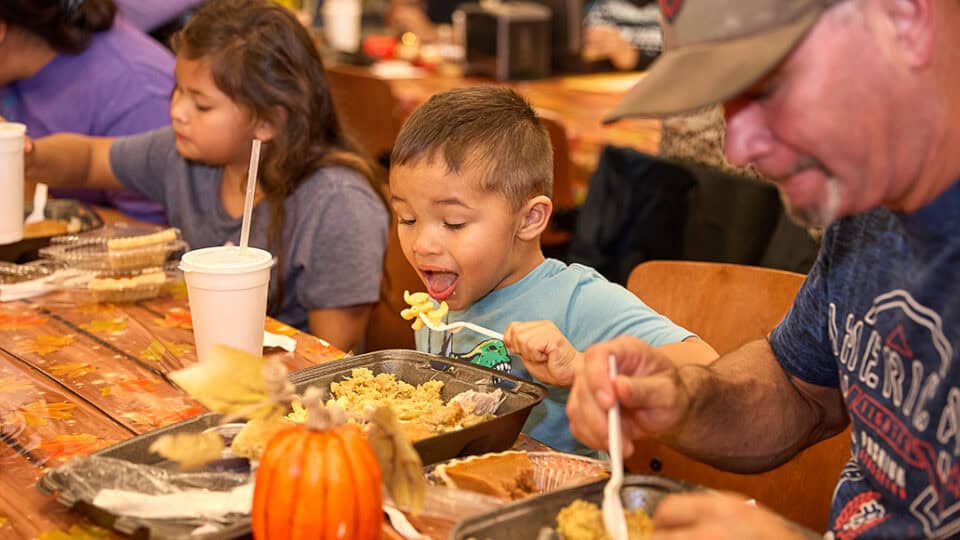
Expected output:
{"points": [[457, 326], [612, 508]]}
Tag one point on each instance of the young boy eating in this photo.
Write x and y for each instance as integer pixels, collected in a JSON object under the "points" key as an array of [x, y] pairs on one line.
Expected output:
{"points": [[470, 182]]}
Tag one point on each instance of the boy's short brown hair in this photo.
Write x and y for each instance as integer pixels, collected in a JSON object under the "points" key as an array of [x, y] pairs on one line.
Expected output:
{"points": [[490, 128]]}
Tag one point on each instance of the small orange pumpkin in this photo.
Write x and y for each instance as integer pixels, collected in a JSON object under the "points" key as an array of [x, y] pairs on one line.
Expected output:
{"points": [[319, 481]]}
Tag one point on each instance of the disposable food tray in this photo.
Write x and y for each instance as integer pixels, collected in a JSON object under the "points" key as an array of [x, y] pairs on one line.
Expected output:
{"points": [[409, 366], [528, 517], [458, 376]]}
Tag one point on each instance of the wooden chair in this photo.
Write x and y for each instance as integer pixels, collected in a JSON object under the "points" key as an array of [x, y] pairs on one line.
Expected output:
{"points": [[728, 305], [387, 330], [563, 198], [365, 107]]}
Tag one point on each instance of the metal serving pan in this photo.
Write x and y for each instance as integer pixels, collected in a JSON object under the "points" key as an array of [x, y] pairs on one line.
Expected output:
{"points": [[526, 518], [416, 368], [409, 366]]}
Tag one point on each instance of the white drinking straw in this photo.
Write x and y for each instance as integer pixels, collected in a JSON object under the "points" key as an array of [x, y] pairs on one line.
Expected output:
{"points": [[248, 200]]}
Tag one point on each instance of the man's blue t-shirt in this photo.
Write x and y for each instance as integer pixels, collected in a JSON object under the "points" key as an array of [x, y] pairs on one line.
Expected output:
{"points": [[879, 317], [585, 307]]}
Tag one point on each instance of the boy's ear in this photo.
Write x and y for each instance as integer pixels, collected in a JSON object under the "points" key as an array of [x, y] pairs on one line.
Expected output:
{"points": [[535, 217]]}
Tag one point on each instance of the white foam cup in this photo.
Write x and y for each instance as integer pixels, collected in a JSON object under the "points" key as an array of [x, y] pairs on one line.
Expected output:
{"points": [[11, 181], [228, 297], [341, 24]]}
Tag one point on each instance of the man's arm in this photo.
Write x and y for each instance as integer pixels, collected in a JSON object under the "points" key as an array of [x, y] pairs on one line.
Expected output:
{"points": [[741, 413], [747, 415], [68, 160]]}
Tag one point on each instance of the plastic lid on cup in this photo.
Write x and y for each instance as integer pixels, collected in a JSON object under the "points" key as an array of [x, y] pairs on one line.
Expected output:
{"points": [[12, 130], [225, 260]]}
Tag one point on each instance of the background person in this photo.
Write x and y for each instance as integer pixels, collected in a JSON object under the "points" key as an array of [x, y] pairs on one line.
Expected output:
{"points": [[72, 66], [248, 69]]}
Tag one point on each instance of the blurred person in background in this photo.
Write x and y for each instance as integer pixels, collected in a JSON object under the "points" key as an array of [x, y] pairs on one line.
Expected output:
{"points": [[75, 66], [149, 15], [624, 32]]}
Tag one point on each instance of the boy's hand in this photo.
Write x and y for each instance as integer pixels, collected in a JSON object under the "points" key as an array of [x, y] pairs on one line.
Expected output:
{"points": [[544, 350]]}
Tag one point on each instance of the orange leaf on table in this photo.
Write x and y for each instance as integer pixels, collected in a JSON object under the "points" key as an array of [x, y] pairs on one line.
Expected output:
{"points": [[276, 327], [136, 385], [106, 326], [77, 532], [66, 446], [40, 412], [19, 321], [176, 318], [45, 343], [71, 370], [12, 385], [157, 347]]}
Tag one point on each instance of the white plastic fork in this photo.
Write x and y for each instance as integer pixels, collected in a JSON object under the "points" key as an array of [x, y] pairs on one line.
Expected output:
{"points": [[39, 204], [460, 325], [612, 508]]}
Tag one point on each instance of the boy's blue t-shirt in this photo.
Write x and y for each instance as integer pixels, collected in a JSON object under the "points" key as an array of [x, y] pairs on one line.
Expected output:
{"points": [[585, 307], [879, 317]]}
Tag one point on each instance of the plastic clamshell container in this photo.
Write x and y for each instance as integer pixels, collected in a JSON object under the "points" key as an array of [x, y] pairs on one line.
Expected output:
{"points": [[116, 247]]}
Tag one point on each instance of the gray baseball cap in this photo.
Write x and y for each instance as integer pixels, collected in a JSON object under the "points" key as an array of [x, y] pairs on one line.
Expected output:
{"points": [[714, 49]]}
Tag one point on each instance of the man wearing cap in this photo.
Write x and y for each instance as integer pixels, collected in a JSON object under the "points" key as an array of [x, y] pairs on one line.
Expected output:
{"points": [[850, 107]]}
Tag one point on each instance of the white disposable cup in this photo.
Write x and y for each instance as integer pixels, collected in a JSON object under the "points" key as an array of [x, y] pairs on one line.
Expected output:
{"points": [[228, 297], [11, 181], [341, 24]]}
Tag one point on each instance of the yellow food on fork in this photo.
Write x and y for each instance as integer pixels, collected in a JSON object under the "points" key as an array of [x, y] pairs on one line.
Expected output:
{"points": [[421, 303]]}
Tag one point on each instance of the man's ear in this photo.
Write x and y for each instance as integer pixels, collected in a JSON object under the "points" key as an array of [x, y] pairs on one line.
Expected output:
{"points": [[535, 217], [913, 23], [3, 31]]}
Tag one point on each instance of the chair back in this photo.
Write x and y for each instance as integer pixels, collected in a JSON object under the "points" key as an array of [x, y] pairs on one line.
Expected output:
{"points": [[728, 305], [387, 330], [563, 198], [365, 107]]}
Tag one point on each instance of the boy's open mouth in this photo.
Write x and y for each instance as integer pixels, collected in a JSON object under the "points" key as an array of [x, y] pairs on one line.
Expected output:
{"points": [[440, 285]]}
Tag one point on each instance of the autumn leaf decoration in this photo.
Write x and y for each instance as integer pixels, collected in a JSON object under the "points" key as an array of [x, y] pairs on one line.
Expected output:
{"points": [[234, 383], [400, 464]]}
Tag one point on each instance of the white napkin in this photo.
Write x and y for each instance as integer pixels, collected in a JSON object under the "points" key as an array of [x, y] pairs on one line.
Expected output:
{"points": [[25, 289], [43, 285], [286, 343], [194, 503]]}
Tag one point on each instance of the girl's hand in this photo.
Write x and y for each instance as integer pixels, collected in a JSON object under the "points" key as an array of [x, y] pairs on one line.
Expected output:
{"points": [[544, 350]]}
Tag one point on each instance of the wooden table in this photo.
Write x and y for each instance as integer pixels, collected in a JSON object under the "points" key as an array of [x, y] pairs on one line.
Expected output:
{"points": [[76, 377]]}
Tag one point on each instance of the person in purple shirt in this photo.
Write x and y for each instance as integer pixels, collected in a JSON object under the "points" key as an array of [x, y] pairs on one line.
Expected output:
{"points": [[148, 15], [74, 66]]}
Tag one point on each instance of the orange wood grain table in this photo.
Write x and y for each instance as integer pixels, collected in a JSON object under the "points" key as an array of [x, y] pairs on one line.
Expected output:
{"points": [[77, 376]]}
